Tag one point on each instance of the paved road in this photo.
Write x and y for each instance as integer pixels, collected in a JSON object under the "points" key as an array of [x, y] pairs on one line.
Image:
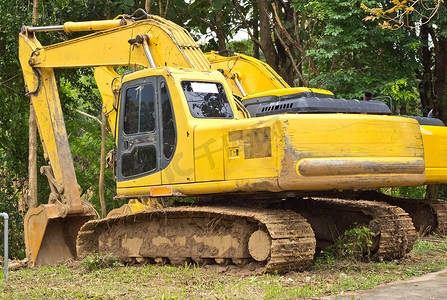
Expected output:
{"points": [[432, 286]]}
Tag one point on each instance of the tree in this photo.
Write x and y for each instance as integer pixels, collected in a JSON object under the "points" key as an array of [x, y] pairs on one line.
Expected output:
{"points": [[13, 123], [431, 22], [258, 24]]}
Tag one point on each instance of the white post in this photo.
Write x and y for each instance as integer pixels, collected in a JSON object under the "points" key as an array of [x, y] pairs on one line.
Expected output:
{"points": [[5, 264]]}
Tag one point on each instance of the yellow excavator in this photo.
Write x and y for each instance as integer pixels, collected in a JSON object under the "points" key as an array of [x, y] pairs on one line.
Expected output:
{"points": [[179, 132]]}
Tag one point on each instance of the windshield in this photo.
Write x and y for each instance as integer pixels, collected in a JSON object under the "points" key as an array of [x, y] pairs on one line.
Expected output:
{"points": [[207, 99]]}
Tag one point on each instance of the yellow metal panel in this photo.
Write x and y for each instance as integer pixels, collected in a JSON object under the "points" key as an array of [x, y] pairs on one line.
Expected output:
{"points": [[254, 75], [250, 149], [318, 135], [435, 147], [323, 152], [145, 182], [208, 152], [104, 77], [181, 168], [214, 187]]}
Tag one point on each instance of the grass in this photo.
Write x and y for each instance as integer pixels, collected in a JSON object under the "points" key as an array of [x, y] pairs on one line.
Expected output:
{"points": [[327, 275]]}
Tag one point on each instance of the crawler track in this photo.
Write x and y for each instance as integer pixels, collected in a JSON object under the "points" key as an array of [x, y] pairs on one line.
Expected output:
{"points": [[329, 217], [427, 215], [205, 235]]}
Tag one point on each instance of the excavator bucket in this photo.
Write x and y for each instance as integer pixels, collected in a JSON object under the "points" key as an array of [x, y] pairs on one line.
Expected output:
{"points": [[50, 234]]}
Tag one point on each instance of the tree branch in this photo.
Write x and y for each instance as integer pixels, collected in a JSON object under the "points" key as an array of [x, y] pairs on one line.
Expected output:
{"points": [[209, 24], [287, 49], [294, 43], [238, 9], [166, 9], [90, 116], [434, 39]]}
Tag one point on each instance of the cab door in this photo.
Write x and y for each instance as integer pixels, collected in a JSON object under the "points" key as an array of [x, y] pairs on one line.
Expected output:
{"points": [[139, 146]]}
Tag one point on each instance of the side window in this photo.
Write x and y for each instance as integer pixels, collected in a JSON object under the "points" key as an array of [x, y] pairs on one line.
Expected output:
{"points": [[168, 122], [139, 113], [207, 99]]}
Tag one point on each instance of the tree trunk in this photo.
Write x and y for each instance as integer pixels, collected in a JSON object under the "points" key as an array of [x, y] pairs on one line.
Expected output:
{"points": [[431, 192], [147, 6], [266, 40], [102, 168], [440, 79], [219, 32], [32, 140], [425, 85], [32, 159], [256, 32], [35, 13]]}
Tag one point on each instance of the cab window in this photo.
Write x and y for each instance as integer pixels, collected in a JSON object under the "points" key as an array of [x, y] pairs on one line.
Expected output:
{"points": [[139, 114], [207, 99]]}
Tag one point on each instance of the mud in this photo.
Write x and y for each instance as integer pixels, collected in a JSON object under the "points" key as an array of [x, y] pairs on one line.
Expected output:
{"points": [[203, 235]]}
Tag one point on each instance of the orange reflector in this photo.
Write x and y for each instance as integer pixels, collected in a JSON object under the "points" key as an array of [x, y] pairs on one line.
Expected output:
{"points": [[161, 191]]}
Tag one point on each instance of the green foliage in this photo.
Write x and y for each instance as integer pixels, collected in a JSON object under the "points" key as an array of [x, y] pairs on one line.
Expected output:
{"points": [[95, 262], [427, 247], [205, 18], [325, 261], [353, 243], [354, 57], [241, 46], [9, 203], [405, 97], [415, 192], [13, 125]]}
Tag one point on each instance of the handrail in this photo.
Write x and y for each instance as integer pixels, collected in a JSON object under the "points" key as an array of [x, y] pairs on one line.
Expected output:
{"points": [[5, 264]]}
